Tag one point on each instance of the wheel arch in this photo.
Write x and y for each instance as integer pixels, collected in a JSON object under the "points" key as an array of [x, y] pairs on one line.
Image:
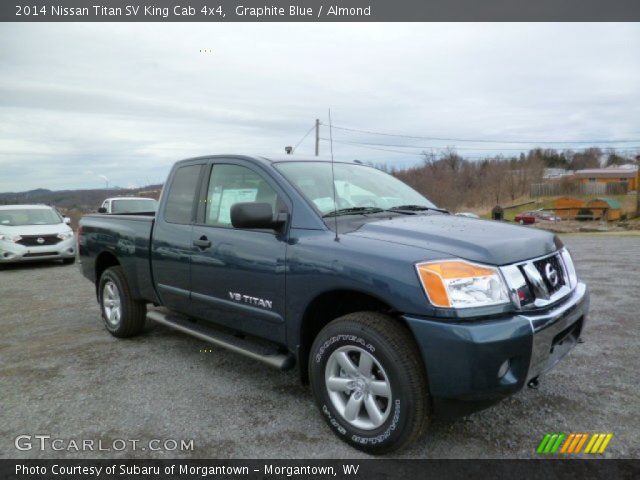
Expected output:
{"points": [[328, 306], [103, 261]]}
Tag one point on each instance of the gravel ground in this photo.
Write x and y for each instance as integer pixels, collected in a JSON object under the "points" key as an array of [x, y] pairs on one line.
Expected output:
{"points": [[62, 374]]}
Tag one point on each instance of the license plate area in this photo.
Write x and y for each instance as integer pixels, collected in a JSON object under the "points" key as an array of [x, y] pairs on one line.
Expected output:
{"points": [[569, 334]]}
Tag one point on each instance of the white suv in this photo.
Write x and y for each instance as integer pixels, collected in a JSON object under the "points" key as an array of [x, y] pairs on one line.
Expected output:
{"points": [[35, 232]]}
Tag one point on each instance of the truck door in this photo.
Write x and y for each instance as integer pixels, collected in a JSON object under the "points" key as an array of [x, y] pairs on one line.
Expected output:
{"points": [[171, 241], [238, 275]]}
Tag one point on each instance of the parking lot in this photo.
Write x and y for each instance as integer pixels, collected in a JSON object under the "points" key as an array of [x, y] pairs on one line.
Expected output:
{"points": [[63, 375]]}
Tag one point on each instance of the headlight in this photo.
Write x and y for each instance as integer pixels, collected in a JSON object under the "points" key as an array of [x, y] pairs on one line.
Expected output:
{"points": [[9, 238], [461, 284], [65, 235]]}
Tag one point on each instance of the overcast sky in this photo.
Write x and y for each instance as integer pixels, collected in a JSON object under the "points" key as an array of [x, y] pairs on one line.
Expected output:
{"points": [[83, 101]]}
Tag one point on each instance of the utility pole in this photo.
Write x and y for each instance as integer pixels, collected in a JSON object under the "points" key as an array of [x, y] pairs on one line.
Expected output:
{"points": [[317, 137]]}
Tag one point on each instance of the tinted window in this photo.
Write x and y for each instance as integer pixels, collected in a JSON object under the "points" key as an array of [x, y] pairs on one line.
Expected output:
{"points": [[230, 184], [181, 195]]}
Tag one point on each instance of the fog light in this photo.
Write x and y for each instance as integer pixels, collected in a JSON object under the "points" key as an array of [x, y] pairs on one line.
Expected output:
{"points": [[504, 368]]}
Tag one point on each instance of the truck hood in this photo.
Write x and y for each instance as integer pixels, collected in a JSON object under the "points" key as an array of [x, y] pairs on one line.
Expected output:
{"points": [[34, 229], [490, 242]]}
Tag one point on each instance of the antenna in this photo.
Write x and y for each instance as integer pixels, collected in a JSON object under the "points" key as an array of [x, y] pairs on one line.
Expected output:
{"points": [[333, 180]]}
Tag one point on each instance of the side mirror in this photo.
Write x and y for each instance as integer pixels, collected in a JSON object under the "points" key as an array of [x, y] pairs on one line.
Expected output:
{"points": [[254, 215], [102, 210], [67, 220]]}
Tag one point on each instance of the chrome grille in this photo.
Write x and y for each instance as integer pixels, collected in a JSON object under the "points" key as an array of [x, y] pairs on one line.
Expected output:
{"points": [[552, 273], [541, 281], [38, 240]]}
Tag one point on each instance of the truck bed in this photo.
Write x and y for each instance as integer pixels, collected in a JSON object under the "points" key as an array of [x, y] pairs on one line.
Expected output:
{"points": [[126, 237]]}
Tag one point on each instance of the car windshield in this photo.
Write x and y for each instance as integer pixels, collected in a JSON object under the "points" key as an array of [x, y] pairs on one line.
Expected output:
{"points": [[357, 187], [133, 205], [29, 216]]}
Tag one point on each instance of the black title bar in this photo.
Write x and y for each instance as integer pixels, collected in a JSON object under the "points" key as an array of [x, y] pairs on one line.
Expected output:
{"points": [[318, 10], [369, 469]]}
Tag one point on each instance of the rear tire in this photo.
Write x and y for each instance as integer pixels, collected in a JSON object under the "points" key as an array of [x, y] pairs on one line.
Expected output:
{"points": [[369, 382], [123, 316]]}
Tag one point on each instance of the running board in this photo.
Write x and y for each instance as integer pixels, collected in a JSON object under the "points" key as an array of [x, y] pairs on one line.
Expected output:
{"points": [[256, 349]]}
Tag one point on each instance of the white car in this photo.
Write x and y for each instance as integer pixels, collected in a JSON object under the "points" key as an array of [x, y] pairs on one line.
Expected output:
{"points": [[128, 205], [35, 232], [467, 214]]}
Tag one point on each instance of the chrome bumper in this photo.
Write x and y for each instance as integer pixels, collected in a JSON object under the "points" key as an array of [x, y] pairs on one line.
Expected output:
{"points": [[557, 331]]}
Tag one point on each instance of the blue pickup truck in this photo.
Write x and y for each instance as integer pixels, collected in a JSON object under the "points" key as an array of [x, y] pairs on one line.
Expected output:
{"points": [[394, 311]]}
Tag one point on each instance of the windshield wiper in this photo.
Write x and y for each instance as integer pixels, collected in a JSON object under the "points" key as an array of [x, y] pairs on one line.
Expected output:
{"points": [[352, 211], [415, 208]]}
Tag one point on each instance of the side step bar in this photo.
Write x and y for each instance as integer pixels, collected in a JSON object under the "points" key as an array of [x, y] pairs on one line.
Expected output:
{"points": [[257, 350]]}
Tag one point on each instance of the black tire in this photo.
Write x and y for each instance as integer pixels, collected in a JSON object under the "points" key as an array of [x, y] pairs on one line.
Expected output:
{"points": [[132, 314], [393, 348], [69, 261]]}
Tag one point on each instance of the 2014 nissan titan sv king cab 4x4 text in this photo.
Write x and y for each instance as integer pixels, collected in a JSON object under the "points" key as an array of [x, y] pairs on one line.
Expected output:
{"points": [[394, 311]]}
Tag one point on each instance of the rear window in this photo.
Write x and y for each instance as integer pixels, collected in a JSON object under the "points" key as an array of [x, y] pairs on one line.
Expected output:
{"points": [[182, 192], [133, 205]]}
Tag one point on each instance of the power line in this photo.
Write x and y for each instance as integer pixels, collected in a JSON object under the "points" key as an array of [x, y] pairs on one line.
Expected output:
{"points": [[373, 148], [417, 154], [303, 137], [470, 148], [376, 146], [447, 139]]}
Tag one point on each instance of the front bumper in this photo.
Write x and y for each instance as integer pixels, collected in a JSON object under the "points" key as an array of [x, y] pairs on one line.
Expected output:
{"points": [[14, 252], [463, 359]]}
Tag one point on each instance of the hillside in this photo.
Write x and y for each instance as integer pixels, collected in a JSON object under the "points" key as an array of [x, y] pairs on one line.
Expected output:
{"points": [[82, 200]]}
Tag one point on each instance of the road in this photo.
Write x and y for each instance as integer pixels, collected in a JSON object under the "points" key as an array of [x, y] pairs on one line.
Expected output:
{"points": [[63, 375]]}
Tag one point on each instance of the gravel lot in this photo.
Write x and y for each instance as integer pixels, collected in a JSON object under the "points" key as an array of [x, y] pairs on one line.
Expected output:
{"points": [[62, 374]]}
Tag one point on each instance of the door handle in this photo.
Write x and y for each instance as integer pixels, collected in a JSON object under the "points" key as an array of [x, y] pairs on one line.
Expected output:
{"points": [[202, 242]]}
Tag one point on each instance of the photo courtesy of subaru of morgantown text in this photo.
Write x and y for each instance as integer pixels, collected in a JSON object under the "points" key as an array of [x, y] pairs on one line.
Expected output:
{"points": [[274, 248]]}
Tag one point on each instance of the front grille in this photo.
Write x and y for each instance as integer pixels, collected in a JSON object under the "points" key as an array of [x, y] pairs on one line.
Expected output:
{"points": [[546, 267], [33, 240], [40, 254]]}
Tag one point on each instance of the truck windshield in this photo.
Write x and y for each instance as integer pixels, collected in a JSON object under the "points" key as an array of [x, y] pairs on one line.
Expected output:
{"points": [[357, 187], [133, 205], [29, 216]]}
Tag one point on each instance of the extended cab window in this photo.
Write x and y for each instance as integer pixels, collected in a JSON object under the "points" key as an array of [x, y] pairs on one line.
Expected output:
{"points": [[231, 184], [182, 192]]}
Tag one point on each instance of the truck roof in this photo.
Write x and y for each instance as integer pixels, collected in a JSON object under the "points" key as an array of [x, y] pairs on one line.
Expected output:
{"points": [[273, 158], [129, 198]]}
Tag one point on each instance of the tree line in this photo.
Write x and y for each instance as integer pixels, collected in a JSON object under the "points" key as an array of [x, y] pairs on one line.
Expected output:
{"points": [[453, 182]]}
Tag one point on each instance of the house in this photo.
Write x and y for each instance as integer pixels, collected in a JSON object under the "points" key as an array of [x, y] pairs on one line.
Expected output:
{"points": [[606, 208], [556, 173], [567, 208], [624, 175]]}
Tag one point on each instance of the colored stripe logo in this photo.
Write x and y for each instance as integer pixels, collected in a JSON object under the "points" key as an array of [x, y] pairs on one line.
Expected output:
{"points": [[573, 443]]}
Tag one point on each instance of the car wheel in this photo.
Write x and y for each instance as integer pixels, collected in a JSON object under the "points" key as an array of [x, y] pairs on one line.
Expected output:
{"points": [[123, 316], [521, 222], [369, 382]]}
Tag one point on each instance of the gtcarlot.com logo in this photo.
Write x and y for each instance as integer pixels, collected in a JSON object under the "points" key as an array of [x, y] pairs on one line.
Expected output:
{"points": [[47, 442], [573, 443]]}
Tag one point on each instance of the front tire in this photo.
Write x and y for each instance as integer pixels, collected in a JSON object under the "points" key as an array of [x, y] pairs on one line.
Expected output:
{"points": [[369, 382], [123, 316]]}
